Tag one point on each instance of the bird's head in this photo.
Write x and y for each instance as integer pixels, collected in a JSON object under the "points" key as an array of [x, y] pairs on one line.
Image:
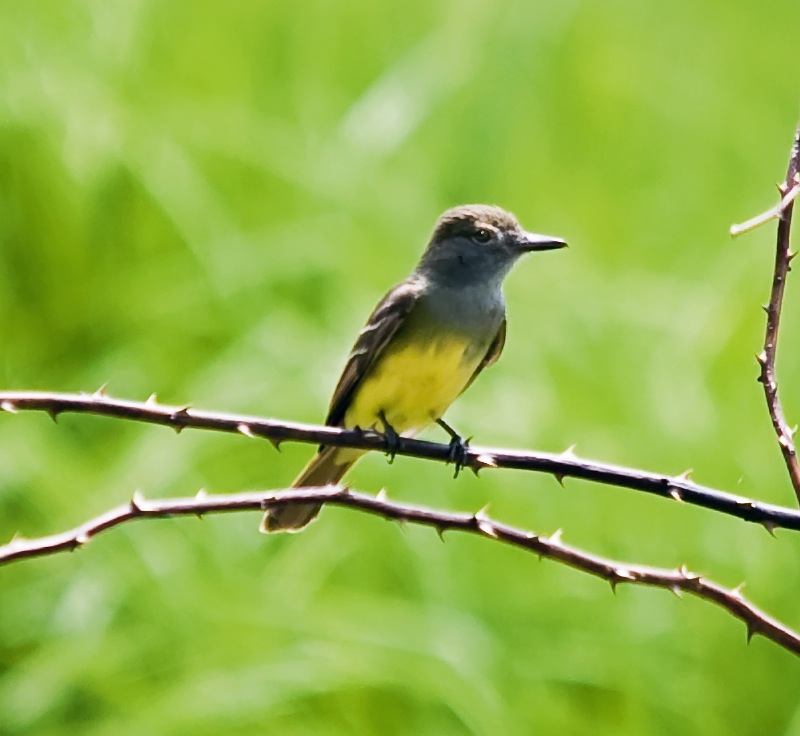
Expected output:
{"points": [[477, 242]]}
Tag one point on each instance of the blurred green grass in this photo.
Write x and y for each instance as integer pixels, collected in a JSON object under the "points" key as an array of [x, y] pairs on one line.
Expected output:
{"points": [[206, 200]]}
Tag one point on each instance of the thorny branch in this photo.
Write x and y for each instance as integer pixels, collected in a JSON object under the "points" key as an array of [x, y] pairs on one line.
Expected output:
{"points": [[677, 488], [766, 359], [552, 547]]}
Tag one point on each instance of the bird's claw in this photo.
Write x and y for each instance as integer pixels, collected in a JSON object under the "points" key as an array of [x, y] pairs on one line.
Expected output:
{"points": [[458, 453], [393, 440]]}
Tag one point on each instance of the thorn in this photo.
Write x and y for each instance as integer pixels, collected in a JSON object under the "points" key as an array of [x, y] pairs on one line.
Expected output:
{"points": [[569, 452], [559, 478], [761, 358], [440, 530], [746, 503], [81, 539], [484, 523], [101, 392], [152, 400], [686, 575], [791, 431], [770, 527], [676, 495], [200, 495], [480, 462], [751, 632], [737, 591], [555, 538], [53, 414], [178, 416], [16, 540], [9, 407], [485, 461], [765, 307], [685, 476], [622, 574], [781, 187], [136, 501], [676, 591], [275, 443], [382, 496], [245, 430], [790, 256]]}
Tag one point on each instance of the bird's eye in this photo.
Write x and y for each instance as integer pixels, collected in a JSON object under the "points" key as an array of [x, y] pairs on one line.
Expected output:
{"points": [[482, 236]]}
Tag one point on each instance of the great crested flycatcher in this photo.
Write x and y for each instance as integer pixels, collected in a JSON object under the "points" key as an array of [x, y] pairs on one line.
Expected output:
{"points": [[424, 343]]}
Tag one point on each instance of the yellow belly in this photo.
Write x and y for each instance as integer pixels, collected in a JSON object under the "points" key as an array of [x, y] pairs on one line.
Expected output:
{"points": [[413, 385]]}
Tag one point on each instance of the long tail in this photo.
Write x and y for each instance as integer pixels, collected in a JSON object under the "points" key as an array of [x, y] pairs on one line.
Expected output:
{"points": [[326, 467]]}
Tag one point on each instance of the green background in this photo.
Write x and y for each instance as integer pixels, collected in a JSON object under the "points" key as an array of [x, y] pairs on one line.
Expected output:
{"points": [[205, 200]]}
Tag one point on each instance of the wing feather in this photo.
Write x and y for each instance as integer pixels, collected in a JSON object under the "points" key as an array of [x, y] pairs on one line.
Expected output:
{"points": [[492, 354], [381, 326]]}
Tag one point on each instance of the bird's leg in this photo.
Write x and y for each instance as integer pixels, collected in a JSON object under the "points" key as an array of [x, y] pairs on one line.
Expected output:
{"points": [[459, 447], [393, 440]]}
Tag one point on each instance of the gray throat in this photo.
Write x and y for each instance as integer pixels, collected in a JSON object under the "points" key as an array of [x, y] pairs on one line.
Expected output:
{"points": [[474, 309]]}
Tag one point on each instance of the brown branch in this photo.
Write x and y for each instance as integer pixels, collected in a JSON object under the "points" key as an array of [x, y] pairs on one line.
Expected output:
{"points": [[678, 581], [766, 359], [561, 465]]}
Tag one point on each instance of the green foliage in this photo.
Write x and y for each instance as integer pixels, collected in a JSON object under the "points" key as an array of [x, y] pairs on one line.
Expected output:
{"points": [[205, 200]]}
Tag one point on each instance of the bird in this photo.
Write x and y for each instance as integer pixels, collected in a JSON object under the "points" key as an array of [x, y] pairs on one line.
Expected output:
{"points": [[424, 343]]}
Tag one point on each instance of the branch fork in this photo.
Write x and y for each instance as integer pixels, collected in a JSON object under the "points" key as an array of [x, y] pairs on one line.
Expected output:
{"points": [[789, 191]]}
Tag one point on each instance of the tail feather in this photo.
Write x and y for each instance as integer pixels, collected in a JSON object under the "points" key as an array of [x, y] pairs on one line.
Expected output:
{"points": [[325, 468]]}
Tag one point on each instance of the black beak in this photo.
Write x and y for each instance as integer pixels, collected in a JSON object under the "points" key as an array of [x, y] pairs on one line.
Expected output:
{"points": [[528, 242]]}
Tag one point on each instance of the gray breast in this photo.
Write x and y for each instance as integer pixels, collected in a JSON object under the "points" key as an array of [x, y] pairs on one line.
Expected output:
{"points": [[474, 311]]}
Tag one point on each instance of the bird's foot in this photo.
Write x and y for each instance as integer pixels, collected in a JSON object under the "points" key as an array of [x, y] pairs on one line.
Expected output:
{"points": [[393, 440], [458, 453]]}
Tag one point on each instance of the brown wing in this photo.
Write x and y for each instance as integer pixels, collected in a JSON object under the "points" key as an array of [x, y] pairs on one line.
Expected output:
{"points": [[492, 354], [381, 326]]}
